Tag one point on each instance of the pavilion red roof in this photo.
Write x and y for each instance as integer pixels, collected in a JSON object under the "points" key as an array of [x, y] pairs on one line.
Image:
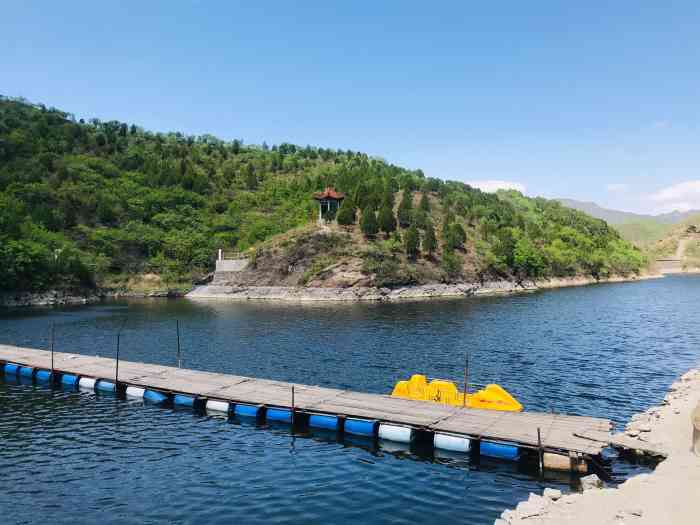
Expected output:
{"points": [[329, 193]]}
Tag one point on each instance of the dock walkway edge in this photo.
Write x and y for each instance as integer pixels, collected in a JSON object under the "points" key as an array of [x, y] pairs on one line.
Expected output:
{"points": [[551, 433]]}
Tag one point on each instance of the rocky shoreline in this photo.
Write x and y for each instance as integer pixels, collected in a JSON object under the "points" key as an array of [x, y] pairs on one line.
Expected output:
{"points": [[294, 293], [668, 495], [362, 293], [66, 298]]}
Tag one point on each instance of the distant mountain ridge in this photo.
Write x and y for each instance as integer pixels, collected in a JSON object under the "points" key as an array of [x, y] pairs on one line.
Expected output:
{"points": [[617, 217]]}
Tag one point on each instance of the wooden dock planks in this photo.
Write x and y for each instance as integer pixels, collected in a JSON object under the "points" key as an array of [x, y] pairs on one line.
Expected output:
{"points": [[559, 432]]}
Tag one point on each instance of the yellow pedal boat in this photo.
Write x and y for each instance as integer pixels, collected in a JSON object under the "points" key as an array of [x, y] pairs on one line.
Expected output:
{"points": [[491, 397]]}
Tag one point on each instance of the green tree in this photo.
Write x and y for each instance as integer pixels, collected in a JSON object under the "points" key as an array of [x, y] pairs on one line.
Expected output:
{"points": [[405, 209], [528, 259], [368, 222], [447, 221], [386, 220], [429, 240], [451, 264], [346, 213], [251, 179], [456, 236], [420, 219], [424, 203], [412, 241]]}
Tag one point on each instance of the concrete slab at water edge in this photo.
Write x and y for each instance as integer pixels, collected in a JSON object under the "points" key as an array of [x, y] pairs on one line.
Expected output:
{"points": [[668, 495]]}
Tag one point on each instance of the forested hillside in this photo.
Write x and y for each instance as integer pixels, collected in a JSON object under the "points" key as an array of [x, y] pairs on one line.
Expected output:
{"points": [[86, 204]]}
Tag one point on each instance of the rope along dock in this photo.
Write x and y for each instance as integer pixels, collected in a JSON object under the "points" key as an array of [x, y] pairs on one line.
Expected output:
{"points": [[549, 434]]}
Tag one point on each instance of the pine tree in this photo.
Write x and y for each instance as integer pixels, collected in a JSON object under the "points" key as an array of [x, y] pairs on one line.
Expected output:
{"points": [[420, 219], [424, 203], [346, 213], [412, 242], [386, 220], [446, 223], [405, 209], [456, 236], [360, 196], [368, 222], [251, 180], [429, 240]]}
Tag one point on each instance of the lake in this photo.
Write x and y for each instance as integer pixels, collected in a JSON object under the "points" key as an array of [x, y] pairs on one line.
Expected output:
{"points": [[605, 350]]}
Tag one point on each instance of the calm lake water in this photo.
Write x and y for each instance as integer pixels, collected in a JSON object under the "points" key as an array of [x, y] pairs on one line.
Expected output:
{"points": [[607, 350]]}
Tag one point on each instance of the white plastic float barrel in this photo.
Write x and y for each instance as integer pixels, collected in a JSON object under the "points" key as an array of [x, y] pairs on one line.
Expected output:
{"points": [[395, 433], [135, 392], [217, 407], [87, 383], [26, 371], [323, 421], [451, 443], [43, 376], [153, 396], [105, 386]]}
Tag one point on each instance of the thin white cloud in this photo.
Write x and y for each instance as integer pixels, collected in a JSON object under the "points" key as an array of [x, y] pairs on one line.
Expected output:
{"points": [[617, 188], [491, 186], [683, 196]]}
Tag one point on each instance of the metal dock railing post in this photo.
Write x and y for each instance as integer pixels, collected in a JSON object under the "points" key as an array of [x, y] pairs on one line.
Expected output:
{"points": [[539, 451], [53, 334], [466, 380], [177, 329]]}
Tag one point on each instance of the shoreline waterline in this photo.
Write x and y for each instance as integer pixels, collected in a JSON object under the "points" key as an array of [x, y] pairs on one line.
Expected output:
{"points": [[317, 294], [667, 495], [420, 292]]}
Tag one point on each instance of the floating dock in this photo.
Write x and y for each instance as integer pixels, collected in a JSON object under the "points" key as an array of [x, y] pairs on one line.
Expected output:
{"points": [[557, 439]]}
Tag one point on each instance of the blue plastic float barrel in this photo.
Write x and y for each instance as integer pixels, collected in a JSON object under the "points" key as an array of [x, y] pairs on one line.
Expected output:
{"points": [[360, 427], [11, 369], [105, 386], [43, 376], [69, 380], [283, 415], [154, 396], [182, 400], [26, 371], [246, 410], [498, 450], [321, 421]]}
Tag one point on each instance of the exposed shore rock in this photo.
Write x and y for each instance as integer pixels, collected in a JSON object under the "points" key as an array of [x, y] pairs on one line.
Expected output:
{"points": [[48, 298], [356, 293], [61, 298], [668, 495], [219, 290]]}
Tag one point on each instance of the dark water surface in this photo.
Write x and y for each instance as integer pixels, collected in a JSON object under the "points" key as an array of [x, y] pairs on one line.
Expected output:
{"points": [[607, 350]]}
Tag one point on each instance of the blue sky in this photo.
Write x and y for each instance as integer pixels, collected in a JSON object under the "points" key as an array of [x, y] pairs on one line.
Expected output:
{"points": [[597, 101]]}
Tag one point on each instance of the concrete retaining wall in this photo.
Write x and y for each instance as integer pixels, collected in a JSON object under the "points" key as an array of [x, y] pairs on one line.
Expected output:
{"points": [[231, 265]]}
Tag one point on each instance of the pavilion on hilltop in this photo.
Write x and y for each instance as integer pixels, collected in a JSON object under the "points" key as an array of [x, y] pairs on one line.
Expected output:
{"points": [[328, 203]]}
